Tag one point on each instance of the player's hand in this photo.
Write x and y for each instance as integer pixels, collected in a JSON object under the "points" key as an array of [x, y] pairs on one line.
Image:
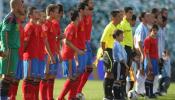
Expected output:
{"points": [[71, 77], [53, 61], [149, 65], [62, 36], [81, 52], [4, 54], [141, 58]]}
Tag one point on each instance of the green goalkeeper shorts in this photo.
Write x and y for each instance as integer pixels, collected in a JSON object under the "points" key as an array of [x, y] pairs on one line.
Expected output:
{"points": [[8, 65]]}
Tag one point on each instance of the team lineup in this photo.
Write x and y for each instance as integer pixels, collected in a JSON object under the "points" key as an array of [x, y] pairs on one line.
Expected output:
{"points": [[136, 62]]}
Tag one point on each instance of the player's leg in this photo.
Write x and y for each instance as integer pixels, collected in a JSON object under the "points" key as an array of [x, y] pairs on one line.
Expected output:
{"points": [[8, 69], [53, 68], [14, 85], [88, 69], [108, 78], [69, 82]]}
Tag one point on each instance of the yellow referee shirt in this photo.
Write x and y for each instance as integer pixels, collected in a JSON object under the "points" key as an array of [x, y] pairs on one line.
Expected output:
{"points": [[127, 29], [107, 37]]}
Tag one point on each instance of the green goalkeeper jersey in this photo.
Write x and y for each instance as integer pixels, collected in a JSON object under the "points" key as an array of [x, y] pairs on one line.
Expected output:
{"points": [[10, 36]]}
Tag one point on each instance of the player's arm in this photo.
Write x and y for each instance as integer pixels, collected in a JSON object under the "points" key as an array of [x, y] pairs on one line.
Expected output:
{"points": [[27, 33], [6, 28], [78, 51], [104, 38], [47, 48]]}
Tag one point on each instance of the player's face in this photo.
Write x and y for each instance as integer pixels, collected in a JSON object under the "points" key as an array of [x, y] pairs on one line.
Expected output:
{"points": [[20, 7], [165, 13], [85, 11], [56, 13], [129, 14], [121, 37], [154, 31], [146, 18], [159, 20], [38, 15], [42, 16], [90, 5], [35, 14]]}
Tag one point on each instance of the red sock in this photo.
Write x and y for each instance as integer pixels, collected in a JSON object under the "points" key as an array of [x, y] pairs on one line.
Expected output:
{"points": [[43, 89], [36, 92], [65, 90], [83, 81], [50, 89], [27, 89], [73, 90], [13, 90]]}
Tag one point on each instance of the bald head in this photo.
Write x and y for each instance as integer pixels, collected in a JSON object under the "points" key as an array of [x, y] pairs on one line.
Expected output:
{"points": [[17, 6]]}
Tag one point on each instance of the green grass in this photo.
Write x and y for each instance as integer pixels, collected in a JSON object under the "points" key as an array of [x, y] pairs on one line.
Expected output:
{"points": [[94, 91]]}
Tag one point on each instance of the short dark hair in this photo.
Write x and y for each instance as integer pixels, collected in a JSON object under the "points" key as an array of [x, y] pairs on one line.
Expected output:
{"points": [[163, 9], [117, 33], [115, 12], [154, 27], [127, 9], [154, 10], [30, 11], [82, 6], [142, 15], [74, 14], [134, 17], [86, 1], [60, 7], [51, 8]]}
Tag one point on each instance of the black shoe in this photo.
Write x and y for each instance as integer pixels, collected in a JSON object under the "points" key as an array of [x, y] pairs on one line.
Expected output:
{"points": [[152, 96]]}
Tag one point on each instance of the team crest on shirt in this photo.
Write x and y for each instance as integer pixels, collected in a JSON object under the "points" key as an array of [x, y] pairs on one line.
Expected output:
{"points": [[82, 28], [45, 28]]}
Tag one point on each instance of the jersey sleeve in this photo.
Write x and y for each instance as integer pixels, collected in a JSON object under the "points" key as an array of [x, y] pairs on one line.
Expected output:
{"points": [[27, 32], [105, 35], [6, 28]]}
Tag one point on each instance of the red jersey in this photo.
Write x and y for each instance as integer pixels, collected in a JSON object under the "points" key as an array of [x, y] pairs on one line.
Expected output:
{"points": [[57, 30], [81, 37], [71, 35], [32, 37], [151, 46], [41, 47], [21, 49], [51, 35], [88, 26]]}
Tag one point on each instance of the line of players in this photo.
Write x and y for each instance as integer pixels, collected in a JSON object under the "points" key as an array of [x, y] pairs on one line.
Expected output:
{"points": [[135, 58], [33, 52]]}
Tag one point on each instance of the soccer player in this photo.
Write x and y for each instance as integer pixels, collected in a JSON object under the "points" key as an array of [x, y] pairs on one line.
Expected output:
{"points": [[10, 38], [119, 66], [107, 42], [127, 29], [68, 52], [31, 64], [140, 34], [52, 13], [19, 71], [88, 26], [81, 44], [151, 60], [128, 37]]}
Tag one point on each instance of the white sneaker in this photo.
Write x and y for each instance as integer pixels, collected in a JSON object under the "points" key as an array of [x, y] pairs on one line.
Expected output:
{"points": [[80, 96]]}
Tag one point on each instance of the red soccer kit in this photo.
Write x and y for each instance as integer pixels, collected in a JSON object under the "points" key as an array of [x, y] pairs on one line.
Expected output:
{"points": [[57, 30], [51, 35], [88, 26], [71, 35], [32, 36], [151, 46], [81, 35], [41, 47]]}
